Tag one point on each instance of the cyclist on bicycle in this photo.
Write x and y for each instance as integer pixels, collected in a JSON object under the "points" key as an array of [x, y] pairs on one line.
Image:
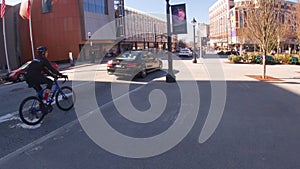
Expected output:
{"points": [[35, 72]]}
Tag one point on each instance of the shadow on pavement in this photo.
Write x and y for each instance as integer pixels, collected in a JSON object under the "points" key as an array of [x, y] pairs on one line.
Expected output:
{"points": [[259, 128]]}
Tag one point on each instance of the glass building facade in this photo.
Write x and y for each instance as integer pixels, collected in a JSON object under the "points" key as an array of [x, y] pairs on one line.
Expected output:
{"points": [[96, 6]]}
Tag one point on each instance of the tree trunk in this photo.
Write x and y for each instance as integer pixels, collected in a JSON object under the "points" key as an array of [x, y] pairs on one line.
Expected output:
{"points": [[264, 64]]}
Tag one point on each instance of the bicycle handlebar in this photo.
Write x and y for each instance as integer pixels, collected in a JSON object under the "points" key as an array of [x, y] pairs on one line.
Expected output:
{"points": [[63, 76], [66, 78]]}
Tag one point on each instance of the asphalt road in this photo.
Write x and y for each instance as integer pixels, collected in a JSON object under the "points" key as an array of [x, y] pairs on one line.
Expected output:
{"points": [[148, 123]]}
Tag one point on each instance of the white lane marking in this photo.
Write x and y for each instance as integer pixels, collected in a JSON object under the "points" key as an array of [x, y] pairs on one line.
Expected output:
{"points": [[66, 127], [36, 142], [14, 115], [9, 117]]}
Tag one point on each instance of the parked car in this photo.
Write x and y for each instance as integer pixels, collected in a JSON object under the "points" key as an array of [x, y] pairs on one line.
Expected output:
{"points": [[185, 52], [132, 63], [17, 75]]}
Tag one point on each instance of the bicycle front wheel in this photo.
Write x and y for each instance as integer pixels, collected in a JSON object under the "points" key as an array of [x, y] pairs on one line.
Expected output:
{"points": [[65, 98], [31, 110]]}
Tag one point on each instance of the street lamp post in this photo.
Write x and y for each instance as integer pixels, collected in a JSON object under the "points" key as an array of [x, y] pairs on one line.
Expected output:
{"points": [[170, 77], [194, 22]]}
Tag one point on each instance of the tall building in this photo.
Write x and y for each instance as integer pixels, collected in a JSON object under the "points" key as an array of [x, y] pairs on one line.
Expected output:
{"points": [[227, 18], [139, 30], [219, 21], [12, 39], [86, 28], [80, 27], [144, 30]]}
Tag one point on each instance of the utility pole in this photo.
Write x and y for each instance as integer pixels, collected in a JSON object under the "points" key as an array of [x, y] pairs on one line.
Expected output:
{"points": [[170, 77], [194, 22]]}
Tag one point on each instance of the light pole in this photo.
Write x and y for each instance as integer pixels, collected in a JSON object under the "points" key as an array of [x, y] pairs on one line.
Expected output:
{"points": [[170, 77], [194, 22]]}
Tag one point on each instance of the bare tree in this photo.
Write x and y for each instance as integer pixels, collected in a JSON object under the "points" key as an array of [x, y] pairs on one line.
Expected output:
{"points": [[261, 24], [298, 18]]}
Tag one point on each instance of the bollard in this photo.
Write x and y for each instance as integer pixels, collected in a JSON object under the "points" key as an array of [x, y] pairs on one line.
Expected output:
{"points": [[71, 58]]}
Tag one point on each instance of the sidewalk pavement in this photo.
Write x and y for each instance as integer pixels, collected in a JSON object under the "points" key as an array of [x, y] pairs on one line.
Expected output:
{"points": [[289, 75], [186, 70], [61, 66], [218, 68]]}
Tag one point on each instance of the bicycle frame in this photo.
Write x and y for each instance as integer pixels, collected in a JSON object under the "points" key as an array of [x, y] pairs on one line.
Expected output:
{"points": [[34, 113], [53, 92]]}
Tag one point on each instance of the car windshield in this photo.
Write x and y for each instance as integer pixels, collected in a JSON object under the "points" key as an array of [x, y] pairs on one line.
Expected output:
{"points": [[128, 55]]}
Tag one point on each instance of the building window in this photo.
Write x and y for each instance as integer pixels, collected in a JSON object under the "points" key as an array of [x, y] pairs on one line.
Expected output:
{"points": [[46, 6], [96, 6]]}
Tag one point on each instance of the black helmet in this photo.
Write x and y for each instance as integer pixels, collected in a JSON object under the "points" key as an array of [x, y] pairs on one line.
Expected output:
{"points": [[41, 49]]}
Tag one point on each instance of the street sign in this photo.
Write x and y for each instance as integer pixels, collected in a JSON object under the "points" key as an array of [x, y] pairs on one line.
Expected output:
{"points": [[202, 30]]}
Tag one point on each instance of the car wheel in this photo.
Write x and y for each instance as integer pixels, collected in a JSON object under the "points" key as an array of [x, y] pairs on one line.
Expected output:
{"points": [[21, 77], [143, 73]]}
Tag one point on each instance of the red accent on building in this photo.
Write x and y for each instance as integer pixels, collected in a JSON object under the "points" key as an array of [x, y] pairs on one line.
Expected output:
{"points": [[59, 30]]}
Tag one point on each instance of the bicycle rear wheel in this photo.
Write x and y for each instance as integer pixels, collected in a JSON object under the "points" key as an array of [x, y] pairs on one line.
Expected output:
{"points": [[65, 98], [31, 110]]}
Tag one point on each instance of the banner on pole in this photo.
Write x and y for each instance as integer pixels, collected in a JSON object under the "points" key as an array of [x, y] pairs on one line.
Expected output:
{"points": [[25, 9], [179, 25], [3, 6]]}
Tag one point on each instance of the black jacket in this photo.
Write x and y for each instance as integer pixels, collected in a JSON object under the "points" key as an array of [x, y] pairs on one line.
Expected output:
{"points": [[40, 65]]}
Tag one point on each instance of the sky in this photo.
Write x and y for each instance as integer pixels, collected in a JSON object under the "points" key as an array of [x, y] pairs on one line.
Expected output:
{"points": [[195, 8]]}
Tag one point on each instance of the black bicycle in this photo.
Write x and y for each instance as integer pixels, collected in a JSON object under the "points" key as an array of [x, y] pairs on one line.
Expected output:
{"points": [[33, 109]]}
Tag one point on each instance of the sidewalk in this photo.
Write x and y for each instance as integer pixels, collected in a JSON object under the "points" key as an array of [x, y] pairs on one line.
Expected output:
{"points": [[61, 66], [214, 68], [289, 75], [186, 70]]}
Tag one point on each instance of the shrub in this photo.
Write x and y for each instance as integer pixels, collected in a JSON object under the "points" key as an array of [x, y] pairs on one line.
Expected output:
{"points": [[258, 59], [230, 57], [245, 57], [236, 59], [278, 59], [251, 58], [269, 59], [286, 58], [294, 60]]}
